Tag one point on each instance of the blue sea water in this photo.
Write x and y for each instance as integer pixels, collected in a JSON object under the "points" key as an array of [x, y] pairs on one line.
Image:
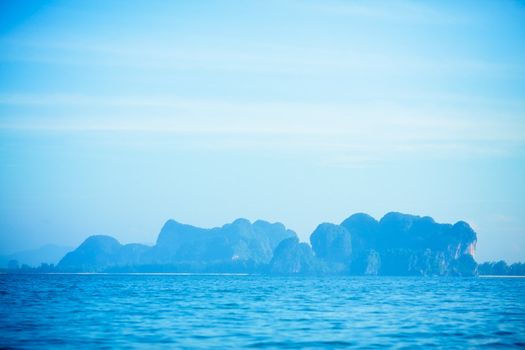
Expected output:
{"points": [[248, 311]]}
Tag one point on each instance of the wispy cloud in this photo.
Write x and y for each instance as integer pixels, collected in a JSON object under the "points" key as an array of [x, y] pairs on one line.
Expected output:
{"points": [[338, 134], [391, 99], [251, 57], [397, 11]]}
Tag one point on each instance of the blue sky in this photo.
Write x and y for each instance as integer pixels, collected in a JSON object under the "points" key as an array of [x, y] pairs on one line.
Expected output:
{"points": [[117, 115]]}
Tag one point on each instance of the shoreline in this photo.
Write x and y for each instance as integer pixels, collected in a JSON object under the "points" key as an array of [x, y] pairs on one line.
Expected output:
{"points": [[228, 274]]}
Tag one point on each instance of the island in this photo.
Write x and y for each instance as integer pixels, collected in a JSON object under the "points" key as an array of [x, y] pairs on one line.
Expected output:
{"points": [[396, 245]]}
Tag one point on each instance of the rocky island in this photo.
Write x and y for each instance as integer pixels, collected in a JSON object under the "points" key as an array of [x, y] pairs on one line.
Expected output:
{"points": [[397, 244]]}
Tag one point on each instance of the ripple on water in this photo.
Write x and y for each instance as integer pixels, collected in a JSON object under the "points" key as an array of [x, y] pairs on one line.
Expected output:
{"points": [[215, 311]]}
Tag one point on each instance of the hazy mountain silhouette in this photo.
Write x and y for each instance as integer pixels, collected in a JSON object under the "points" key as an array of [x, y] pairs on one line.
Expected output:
{"points": [[398, 244], [48, 254], [240, 246], [501, 268]]}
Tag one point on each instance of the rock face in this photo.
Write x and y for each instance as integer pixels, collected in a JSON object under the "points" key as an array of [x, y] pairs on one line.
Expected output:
{"points": [[99, 253], [401, 244], [332, 245], [398, 244], [293, 257], [238, 241], [240, 246]]}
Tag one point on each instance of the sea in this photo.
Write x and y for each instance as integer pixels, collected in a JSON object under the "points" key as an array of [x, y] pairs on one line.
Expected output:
{"points": [[188, 311]]}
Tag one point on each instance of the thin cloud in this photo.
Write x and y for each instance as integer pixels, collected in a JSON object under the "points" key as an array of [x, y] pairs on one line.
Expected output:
{"points": [[249, 58], [392, 11], [335, 135]]}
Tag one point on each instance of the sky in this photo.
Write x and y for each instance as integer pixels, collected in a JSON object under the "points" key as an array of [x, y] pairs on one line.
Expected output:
{"points": [[116, 116]]}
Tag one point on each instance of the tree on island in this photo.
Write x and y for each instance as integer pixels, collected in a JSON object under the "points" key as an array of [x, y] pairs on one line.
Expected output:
{"points": [[500, 268]]}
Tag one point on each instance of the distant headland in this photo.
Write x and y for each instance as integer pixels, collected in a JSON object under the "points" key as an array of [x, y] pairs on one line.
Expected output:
{"points": [[396, 245]]}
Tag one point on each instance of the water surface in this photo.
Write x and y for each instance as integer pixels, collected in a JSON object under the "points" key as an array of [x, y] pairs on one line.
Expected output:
{"points": [[224, 311]]}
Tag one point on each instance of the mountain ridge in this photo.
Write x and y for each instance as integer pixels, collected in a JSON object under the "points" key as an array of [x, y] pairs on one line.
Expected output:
{"points": [[397, 244]]}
